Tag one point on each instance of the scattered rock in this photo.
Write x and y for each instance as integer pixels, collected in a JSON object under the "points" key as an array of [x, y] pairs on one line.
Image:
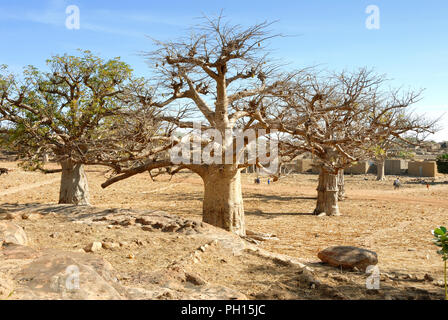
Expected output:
{"points": [[348, 257], [68, 275], [428, 277], [110, 245], [31, 216], [11, 233], [439, 283], [323, 214], [93, 247], [194, 279]]}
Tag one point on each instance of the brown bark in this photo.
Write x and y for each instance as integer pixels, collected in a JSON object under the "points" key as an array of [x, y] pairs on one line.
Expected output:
{"points": [[320, 206], [380, 170], [223, 199], [341, 185], [331, 195], [327, 194], [74, 187]]}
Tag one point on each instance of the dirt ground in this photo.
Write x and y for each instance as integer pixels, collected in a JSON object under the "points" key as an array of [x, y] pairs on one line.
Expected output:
{"points": [[395, 224]]}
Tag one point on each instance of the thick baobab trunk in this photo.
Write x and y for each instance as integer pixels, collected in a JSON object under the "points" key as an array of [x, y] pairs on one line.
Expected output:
{"points": [[320, 206], [74, 188], [331, 195], [223, 199], [327, 196], [341, 185], [380, 171]]}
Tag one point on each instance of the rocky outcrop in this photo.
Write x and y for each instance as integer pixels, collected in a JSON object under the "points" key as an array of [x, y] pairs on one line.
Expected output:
{"points": [[32, 274]]}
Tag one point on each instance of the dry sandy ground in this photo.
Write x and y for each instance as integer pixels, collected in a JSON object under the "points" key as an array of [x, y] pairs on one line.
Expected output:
{"points": [[395, 224]]}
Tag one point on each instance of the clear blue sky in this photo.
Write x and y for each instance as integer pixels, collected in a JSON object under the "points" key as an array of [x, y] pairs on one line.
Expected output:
{"points": [[411, 46]]}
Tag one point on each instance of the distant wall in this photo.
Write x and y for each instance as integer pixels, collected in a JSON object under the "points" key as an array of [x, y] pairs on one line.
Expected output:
{"points": [[289, 168], [422, 169], [396, 167], [304, 165], [361, 167]]}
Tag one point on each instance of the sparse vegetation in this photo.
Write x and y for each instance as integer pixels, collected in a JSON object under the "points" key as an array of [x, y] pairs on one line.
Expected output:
{"points": [[441, 241], [442, 163]]}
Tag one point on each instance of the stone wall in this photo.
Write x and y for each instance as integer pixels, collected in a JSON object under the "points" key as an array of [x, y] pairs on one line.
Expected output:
{"points": [[361, 167], [422, 169], [395, 166]]}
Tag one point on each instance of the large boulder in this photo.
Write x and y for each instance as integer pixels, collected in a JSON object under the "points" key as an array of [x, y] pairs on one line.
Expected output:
{"points": [[69, 276], [11, 233], [348, 257]]}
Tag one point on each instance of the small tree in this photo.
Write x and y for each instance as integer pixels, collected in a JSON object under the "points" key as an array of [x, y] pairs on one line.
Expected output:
{"points": [[61, 112], [441, 241]]}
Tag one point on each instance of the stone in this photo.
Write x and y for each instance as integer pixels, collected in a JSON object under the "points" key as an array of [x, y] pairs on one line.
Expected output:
{"points": [[31, 216], [11, 233], [93, 247], [67, 276], [194, 279], [323, 214], [110, 245], [428, 277], [348, 257], [123, 244]]}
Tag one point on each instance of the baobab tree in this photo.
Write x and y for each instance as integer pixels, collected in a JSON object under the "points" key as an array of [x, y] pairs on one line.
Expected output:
{"points": [[340, 119], [223, 73], [66, 112], [398, 149]]}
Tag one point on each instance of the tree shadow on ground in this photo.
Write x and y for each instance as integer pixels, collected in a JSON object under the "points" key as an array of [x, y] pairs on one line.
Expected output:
{"points": [[423, 182], [73, 212], [266, 198], [272, 215]]}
